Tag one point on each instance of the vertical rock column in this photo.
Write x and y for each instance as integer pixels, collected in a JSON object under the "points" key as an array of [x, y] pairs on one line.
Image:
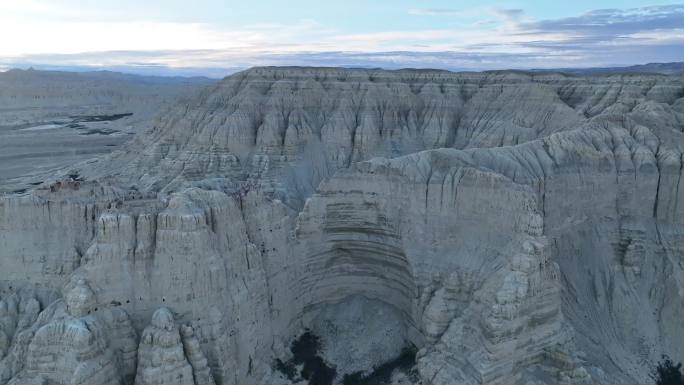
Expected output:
{"points": [[200, 367], [166, 359]]}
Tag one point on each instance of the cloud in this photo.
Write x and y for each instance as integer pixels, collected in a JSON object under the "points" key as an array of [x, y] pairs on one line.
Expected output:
{"points": [[37, 37], [501, 13], [219, 63], [27, 10], [508, 39], [509, 14], [622, 35], [612, 23]]}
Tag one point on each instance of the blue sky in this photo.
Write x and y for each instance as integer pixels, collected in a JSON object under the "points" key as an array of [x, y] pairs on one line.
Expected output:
{"points": [[212, 37]]}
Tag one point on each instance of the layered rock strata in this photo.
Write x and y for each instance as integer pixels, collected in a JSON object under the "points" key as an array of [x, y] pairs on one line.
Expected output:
{"points": [[73, 341], [541, 243], [166, 357]]}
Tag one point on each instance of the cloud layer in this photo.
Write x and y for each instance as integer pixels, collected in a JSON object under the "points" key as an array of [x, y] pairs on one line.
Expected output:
{"points": [[482, 38]]}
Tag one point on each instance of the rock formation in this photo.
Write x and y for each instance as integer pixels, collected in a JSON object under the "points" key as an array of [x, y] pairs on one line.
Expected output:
{"points": [[200, 369], [513, 228], [73, 341], [164, 359]]}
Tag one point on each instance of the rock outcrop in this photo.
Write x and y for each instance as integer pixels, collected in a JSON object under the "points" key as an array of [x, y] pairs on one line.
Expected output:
{"points": [[512, 228], [166, 358], [200, 369], [73, 341]]}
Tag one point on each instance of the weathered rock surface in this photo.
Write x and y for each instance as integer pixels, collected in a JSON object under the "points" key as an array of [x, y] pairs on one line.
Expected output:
{"points": [[516, 228], [166, 358], [73, 341]]}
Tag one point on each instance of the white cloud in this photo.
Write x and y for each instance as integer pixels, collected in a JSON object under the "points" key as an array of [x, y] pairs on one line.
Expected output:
{"points": [[74, 37], [506, 37], [36, 9], [26, 6]]}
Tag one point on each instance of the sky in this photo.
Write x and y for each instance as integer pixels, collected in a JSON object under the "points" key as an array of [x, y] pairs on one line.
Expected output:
{"points": [[214, 38]]}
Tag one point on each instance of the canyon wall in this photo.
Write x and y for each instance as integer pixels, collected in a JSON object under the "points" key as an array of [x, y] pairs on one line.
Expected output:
{"points": [[523, 229]]}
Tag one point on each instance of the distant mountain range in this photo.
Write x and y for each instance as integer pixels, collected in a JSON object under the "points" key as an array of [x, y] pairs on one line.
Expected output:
{"points": [[102, 75], [674, 68], [200, 75]]}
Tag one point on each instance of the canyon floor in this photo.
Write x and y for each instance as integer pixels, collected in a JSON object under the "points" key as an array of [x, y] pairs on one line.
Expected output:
{"points": [[51, 120]]}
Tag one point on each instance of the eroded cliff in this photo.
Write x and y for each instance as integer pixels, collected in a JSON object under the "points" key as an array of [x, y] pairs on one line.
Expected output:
{"points": [[512, 228]]}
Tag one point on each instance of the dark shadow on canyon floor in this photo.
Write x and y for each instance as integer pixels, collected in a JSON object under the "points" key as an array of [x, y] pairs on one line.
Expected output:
{"points": [[668, 373], [306, 353], [306, 363]]}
